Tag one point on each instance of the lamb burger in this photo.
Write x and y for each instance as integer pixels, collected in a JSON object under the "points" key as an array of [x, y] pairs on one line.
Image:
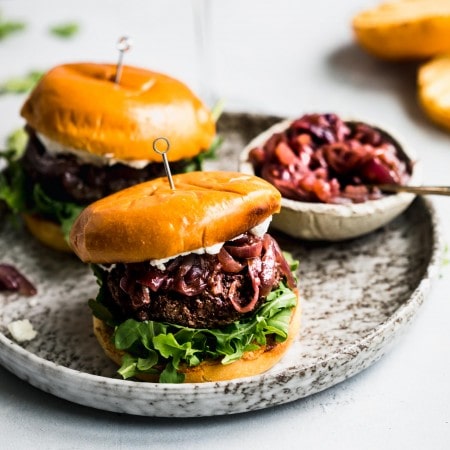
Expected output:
{"points": [[90, 137], [192, 287]]}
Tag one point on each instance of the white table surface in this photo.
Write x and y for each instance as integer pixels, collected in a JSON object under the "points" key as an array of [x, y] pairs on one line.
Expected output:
{"points": [[273, 56]]}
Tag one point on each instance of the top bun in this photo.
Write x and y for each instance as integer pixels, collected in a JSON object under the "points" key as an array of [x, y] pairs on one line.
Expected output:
{"points": [[80, 106], [151, 221]]}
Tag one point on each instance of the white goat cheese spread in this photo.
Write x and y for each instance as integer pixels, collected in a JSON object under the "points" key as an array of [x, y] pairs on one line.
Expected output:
{"points": [[54, 148], [259, 231]]}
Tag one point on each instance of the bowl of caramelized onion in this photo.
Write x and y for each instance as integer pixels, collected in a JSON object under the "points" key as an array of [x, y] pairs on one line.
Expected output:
{"points": [[328, 171]]}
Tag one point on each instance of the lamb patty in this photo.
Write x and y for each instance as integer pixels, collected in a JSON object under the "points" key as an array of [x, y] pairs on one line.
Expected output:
{"points": [[64, 177]]}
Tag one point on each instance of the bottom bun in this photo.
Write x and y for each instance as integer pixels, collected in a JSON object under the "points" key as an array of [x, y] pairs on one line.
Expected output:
{"points": [[47, 232], [252, 363]]}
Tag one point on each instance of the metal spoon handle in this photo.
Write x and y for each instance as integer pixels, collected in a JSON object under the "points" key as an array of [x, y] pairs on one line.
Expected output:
{"points": [[419, 190]]}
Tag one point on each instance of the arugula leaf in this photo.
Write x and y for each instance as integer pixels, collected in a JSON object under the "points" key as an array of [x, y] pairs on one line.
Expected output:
{"points": [[65, 30], [13, 193], [64, 213], [128, 367], [16, 142], [127, 334], [12, 179], [177, 350], [146, 364], [101, 312], [170, 375], [20, 85], [12, 190], [293, 263]]}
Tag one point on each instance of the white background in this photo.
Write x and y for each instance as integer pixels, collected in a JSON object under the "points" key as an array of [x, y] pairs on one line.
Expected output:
{"points": [[274, 56]]}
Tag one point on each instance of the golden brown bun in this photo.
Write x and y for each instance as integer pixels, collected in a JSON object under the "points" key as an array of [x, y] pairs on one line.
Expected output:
{"points": [[80, 106], [433, 81], [252, 363], [47, 232], [404, 30], [151, 221]]}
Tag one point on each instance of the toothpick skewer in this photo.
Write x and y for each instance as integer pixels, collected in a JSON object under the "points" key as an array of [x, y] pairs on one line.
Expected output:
{"points": [[163, 153], [123, 45]]}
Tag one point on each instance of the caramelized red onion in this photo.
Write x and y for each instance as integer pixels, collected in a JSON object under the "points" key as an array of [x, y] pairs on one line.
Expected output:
{"points": [[250, 249], [254, 269], [12, 280], [258, 258], [320, 158], [228, 263]]}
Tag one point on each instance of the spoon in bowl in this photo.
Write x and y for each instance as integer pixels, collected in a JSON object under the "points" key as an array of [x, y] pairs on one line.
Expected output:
{"points": [[419, 190]]}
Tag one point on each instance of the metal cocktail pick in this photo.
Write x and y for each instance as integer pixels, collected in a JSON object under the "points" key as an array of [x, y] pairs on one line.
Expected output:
{"points": [[123, 45], [163, 153]]}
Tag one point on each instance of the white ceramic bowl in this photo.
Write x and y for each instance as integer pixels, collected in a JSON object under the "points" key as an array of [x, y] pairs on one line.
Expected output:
{"points": [[322, 221]]}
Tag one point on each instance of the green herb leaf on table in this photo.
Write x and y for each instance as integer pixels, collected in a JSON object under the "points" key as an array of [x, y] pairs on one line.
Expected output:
{"points": [[66, 30], [21, 85], [9, 27]]}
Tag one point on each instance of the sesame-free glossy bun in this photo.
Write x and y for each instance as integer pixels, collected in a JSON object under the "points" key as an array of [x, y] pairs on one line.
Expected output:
{"points": [[47, 232], [251, 363], [80, 106], [151, 221]]}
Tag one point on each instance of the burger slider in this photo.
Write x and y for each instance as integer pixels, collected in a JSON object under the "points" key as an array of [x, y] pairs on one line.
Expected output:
{"points": [[90, 137], [192, 287]]}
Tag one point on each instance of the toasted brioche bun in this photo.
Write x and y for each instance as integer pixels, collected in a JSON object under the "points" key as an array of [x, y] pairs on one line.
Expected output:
{"points": [[433, 81], [404, 30], [80, 106], [251, 363], [47, 232], [151, 221]]}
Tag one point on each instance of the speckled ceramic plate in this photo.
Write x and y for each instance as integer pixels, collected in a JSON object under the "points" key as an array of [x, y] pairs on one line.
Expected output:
{"points": [[358, 296]]}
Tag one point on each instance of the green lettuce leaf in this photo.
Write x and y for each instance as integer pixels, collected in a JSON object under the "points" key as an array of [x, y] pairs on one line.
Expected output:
{"points": [[12, 188], [12, 178], [150, 345], [14, 193], [16, 143], [63, 213]]}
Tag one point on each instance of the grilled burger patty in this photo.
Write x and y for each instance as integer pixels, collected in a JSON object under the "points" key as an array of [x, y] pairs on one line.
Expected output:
{"points": [[199, 291], [64, 177]]}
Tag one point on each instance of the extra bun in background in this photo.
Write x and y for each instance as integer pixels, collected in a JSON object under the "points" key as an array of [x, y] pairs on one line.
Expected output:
{"points": [[89, 137], [192, 287], [433, 83], [404, 30], [47, 232]]}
